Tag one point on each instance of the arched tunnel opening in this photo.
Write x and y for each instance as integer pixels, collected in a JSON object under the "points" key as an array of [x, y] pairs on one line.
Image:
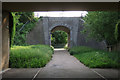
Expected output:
{"points": [[60, 37]]}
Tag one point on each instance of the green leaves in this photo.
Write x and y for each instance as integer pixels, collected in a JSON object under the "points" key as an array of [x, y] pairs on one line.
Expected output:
{"points": [[15, 20], [116, 30], [20, 18], [96, 58], [34, 56], [59, 37], [100, 25], [25, 16]]}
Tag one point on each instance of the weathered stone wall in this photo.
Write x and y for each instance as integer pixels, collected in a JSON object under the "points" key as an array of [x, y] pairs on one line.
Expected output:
{"points": [[36, 36], [74, 26], [83, 41], [70, 22]]}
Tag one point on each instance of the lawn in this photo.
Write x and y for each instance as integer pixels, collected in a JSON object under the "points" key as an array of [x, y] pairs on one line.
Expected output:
{"points": [[94, 58], [33, 56]]}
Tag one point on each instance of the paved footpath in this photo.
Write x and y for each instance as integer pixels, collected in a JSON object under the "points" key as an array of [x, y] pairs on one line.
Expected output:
{"points": [[62, 65]]}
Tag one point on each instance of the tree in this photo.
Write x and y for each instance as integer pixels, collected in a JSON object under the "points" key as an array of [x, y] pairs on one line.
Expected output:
{"points": [[100, 25], [117, 30], [25, 16], [18, 36], [13, 26]]}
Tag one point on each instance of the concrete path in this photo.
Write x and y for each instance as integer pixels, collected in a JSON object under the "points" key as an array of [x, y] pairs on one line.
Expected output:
{"points": [[62, 65]]}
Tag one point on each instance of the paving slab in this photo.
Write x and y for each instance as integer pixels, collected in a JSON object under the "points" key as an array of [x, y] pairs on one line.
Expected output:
{"points": [[108, 73], [63, 65], [20, 73], [0, 76]]}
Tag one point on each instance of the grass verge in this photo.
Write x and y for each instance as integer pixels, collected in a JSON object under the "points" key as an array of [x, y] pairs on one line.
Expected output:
{"points": [[33, 56], [96, 58]]}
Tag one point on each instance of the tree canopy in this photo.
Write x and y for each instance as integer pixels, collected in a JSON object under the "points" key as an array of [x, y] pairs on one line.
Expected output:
{"points": [[100, 25], [23, 22]]}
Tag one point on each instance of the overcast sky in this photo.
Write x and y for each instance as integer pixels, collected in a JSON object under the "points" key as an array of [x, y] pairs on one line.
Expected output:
{"points": [[60, 13]]}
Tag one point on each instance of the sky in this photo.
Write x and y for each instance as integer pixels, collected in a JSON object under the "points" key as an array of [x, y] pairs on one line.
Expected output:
{"points": [[60, 13]]}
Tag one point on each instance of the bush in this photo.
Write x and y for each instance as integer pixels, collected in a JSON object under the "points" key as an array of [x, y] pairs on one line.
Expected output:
{"points": [[20, 37], [59, 38], [34, 56], [80, 49], [52, 48], [66, 47], [94, 58]]}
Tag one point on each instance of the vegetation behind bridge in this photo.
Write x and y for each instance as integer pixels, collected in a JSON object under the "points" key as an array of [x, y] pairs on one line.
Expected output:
{"points": [[103, 25], [23, 22], [59, 39]]}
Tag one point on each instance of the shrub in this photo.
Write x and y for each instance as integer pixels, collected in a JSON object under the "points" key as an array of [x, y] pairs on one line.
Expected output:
{"points": [[59, 38], [94, 58], [80, 49], [33, 56]]}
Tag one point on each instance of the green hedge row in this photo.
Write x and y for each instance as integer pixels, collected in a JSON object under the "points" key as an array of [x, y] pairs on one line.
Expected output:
{"points": [[34, 56]]}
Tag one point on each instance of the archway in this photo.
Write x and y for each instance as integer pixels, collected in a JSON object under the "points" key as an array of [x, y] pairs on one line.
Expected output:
{"points": [[61, 28]]}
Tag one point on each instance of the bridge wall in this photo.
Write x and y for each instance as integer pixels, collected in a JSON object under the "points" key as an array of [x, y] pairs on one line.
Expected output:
{"points": [[71, 23], [36, 36], [74, 24], [83, 41]]}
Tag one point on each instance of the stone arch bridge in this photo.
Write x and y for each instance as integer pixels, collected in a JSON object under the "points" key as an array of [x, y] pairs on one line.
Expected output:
{"points": [[41, 34]]}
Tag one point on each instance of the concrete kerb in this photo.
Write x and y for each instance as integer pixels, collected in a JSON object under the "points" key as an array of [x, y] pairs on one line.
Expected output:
{"points": [[1, 72]]}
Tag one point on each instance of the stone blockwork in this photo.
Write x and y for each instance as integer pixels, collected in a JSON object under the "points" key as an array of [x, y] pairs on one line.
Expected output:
{"points": [[36, 36], [69, 22], [84, 41], [72, 25]]}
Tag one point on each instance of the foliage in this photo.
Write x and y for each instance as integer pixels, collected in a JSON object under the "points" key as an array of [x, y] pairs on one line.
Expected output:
{"points": [[52, 48], [66, 47], [59, 37], [15, 20], [21, 19], [101, 25], [25, 16], [34, 56], [94, 58], [117, 30], [20, 38]]}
